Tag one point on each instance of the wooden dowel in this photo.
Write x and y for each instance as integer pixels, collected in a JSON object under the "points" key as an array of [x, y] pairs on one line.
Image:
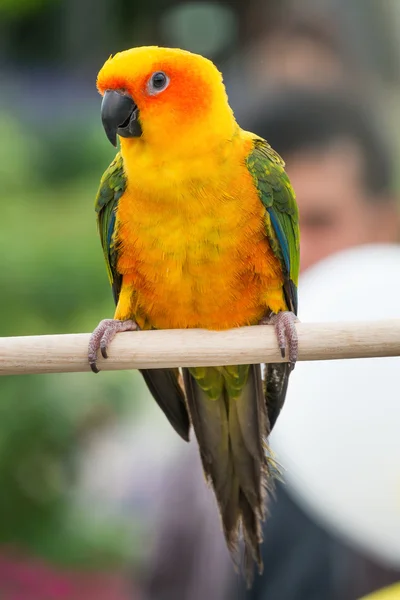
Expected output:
{"points": [[191, 347]]}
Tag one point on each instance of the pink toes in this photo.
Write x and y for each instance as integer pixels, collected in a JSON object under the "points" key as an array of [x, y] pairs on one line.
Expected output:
{"points": [[102, 336]]}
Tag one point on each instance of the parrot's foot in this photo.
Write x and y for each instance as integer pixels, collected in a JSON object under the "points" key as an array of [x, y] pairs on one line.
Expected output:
{"points": [[285, 329], [103, 335]]}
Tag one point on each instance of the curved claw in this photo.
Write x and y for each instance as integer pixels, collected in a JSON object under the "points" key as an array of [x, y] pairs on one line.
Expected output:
{"points": [[93, 366], [103, 335]]}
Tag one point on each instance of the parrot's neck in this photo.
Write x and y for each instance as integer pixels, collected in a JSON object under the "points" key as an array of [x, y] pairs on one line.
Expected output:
{"points": [[159, 167]]}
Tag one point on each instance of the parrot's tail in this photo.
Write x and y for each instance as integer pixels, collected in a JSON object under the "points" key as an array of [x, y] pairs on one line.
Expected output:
{"points": [[232, 433]]}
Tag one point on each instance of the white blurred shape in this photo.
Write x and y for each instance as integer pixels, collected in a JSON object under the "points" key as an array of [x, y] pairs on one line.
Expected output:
{"points": [[338, 436]]}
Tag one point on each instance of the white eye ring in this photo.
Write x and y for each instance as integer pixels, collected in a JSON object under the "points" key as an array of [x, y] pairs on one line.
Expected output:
{"points": [[157, 82]]}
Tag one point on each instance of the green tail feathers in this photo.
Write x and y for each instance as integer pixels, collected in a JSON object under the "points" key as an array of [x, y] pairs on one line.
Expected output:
{"points": [[228, 411]]}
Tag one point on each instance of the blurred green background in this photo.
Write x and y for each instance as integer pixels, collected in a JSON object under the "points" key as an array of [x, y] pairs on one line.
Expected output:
{"points": [[52, 281]]}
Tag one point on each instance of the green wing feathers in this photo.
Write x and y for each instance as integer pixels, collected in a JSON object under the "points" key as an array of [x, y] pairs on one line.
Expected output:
{"points": [[282, 215], [112, 186], [162, 383], [282, 229]]}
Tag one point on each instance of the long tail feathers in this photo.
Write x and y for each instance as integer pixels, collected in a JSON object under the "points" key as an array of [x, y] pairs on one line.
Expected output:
{"points": [[231, 433]]}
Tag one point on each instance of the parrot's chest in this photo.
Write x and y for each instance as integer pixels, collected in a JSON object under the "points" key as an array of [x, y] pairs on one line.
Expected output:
{"points": [[198, 261]]}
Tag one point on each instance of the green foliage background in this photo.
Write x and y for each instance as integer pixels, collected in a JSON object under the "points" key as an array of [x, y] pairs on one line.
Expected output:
{"points": [[53, 280]]}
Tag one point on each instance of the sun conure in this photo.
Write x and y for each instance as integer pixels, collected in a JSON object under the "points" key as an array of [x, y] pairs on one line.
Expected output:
{"points": [[199, 228]]}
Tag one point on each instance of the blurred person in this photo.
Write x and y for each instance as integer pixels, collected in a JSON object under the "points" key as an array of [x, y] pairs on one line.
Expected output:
{"points": [[341, 167]]}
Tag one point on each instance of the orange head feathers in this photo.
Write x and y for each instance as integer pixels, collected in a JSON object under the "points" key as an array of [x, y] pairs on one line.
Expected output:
{"points": [[163, 96]]}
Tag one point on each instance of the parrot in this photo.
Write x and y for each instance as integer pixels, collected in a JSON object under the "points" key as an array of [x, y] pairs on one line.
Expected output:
{"points": [[199, 228]]}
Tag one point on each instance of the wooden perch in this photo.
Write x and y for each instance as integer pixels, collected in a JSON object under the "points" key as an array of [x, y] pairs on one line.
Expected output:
{"points": [[191, 347]]}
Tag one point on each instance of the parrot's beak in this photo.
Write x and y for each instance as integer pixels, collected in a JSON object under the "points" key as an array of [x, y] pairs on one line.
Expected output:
{"points": [[119, 115]]}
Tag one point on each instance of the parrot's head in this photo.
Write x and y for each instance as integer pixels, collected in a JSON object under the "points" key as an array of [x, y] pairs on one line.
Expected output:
{"points": [[161, 95]]}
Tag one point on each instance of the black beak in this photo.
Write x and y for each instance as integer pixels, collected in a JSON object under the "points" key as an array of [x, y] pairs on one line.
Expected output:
{"points": [[119, 115]]}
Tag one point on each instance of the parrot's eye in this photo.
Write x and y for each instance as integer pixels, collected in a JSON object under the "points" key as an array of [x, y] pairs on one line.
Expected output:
{"points": [[158, 82]]}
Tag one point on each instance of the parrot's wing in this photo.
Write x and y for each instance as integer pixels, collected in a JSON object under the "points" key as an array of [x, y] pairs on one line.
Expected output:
{"points": [[282, 228], [162, 383], [282, 216], [112, 186]]}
